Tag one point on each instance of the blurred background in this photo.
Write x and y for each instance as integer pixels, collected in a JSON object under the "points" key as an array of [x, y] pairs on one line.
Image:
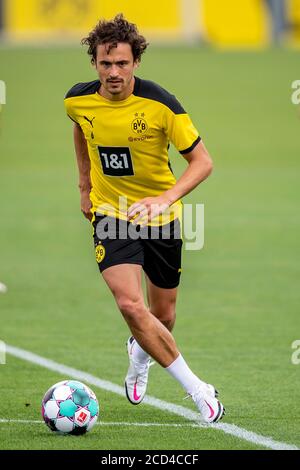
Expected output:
{"points": [[232, 64], [230, 23]]}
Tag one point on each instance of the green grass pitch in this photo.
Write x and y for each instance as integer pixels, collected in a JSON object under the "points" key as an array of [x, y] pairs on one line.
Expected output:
{"points": [[238, 307]]}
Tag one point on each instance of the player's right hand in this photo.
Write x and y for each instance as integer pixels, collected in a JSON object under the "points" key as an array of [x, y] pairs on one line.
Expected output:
{"points": [[86, 205]]}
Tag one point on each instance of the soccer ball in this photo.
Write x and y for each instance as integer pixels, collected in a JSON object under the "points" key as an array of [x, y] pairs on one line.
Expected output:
{"points": [[70, 407]]}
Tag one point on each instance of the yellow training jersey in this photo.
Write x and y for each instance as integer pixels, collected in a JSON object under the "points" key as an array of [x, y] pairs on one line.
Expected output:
{"points": [[128, 143]]}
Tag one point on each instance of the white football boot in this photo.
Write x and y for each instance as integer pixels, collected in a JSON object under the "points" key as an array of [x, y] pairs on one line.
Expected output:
{"points": [[136, 379], [210, 408], [210, 389]]}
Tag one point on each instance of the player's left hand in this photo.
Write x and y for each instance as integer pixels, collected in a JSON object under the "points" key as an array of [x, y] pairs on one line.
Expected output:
{"points": [[141, 212]]}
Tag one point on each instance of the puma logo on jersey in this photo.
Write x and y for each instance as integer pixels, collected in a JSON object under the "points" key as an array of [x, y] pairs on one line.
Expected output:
{"points": [[89, 120]]}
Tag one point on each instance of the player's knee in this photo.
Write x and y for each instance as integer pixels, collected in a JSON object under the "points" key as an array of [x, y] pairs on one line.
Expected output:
{"points": [[166, 314], [131, 308], [168, 319]]}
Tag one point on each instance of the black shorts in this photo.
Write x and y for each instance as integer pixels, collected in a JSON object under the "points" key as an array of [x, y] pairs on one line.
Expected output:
{"points": [[157, 249]]}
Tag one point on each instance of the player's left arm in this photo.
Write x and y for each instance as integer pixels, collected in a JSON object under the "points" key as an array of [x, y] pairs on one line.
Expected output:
{"points": [[199, 168]]}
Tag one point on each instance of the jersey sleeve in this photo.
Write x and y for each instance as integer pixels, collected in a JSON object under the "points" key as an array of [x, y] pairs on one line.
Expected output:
{"points": [[181, 131], [77, 91], [70, 109]]}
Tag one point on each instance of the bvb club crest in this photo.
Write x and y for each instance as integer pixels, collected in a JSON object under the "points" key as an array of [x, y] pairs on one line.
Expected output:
{"points": [[100, 253], [139, 124]]}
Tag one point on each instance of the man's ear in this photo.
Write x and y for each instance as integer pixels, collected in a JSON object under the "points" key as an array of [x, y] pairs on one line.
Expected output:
{"points": [[136, 64]]}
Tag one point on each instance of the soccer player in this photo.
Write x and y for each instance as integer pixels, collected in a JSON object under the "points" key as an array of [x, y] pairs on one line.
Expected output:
{"points": [[122, 129]]}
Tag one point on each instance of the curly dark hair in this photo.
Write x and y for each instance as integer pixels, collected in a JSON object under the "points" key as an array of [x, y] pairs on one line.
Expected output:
{"points": [[112, 32]]}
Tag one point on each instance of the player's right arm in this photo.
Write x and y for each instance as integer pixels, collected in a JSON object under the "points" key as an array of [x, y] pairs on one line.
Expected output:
{"points": [[83, 163]]}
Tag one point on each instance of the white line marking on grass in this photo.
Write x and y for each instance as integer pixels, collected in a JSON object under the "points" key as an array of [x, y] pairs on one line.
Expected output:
{"points": [[107, 423], [190, 415], [146, 425], [20, 421]]}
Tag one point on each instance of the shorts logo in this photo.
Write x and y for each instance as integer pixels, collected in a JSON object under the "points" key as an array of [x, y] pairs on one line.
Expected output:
{"points": [[100, 253], [139, 124]]}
